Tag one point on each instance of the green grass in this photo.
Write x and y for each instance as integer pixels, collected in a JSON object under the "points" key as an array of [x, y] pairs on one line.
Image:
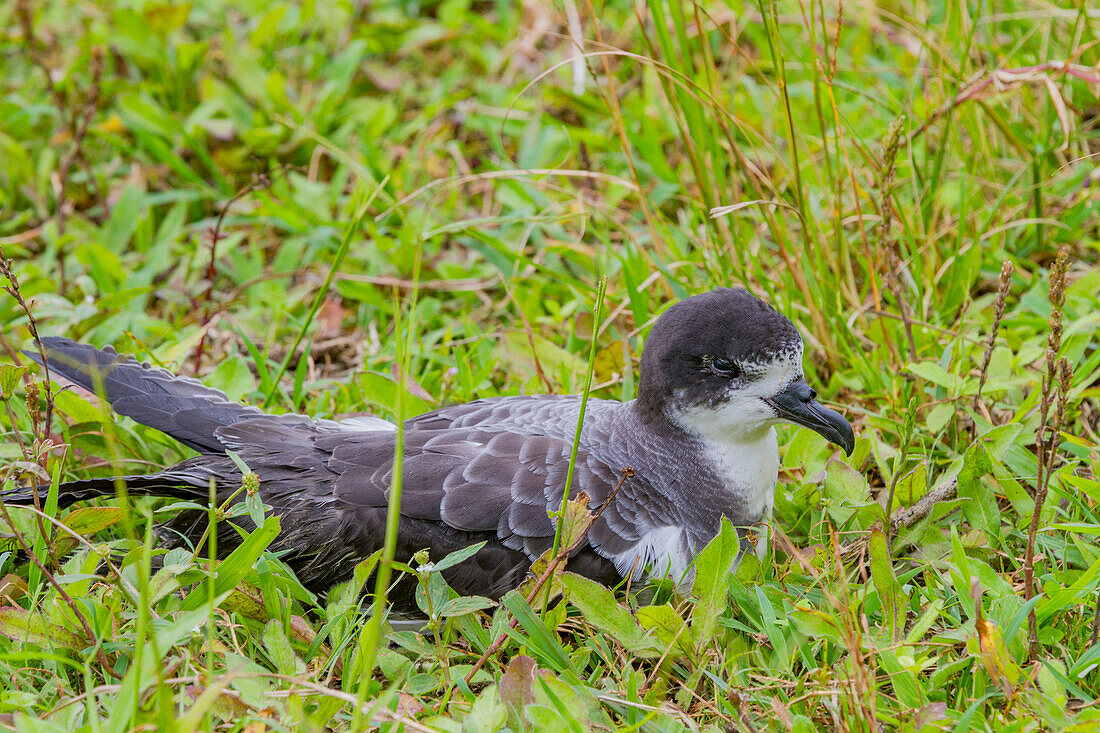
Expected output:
{"points": [[442, 169]]}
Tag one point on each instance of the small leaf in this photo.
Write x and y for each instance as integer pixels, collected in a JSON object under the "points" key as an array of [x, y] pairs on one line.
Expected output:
{"points": [[938, 416], [432, 595], [995, 656], [932, 372], [461, 606], [87, 521], [882, 575], [845, 491], [575, 520], [238, 462], [488, 713], [279, 649], [458, 556], [247, 600], [517, 683], [91, 519], [10, 374], [19, 624], [712, 577], [666, 625], [600, 609], [911, 487], [255, 504], [981, 511]]}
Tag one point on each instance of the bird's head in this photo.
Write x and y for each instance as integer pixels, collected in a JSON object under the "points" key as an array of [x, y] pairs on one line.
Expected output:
{"points": [[725, 365]]}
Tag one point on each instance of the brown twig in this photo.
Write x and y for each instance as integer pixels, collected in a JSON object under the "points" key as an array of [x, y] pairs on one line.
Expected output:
{"points": [[12, 289], [890, 243], [559, 559], [911, 515], [906, 517], [1001, 80], [1046, 442], [1004, 282]]}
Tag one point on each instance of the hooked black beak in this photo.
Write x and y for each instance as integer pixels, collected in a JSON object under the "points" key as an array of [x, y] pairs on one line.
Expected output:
{"points": [[797, 404]]}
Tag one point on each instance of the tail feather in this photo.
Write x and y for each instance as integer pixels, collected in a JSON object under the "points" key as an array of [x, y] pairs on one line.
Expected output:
{"points": [[184, 408], [73, 492]]}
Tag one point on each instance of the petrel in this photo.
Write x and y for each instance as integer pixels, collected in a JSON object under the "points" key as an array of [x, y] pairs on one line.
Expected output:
{"points": [[718, 372]]}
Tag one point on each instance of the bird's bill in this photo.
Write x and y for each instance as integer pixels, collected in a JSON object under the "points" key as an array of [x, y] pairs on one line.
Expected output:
{"points": [[795, 404]]}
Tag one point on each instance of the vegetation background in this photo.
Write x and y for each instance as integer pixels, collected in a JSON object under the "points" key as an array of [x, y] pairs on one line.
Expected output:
{"points": [[300, 201]]}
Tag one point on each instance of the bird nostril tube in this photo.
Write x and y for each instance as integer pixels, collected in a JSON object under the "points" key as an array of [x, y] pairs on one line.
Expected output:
{"points": [[803, 391]]}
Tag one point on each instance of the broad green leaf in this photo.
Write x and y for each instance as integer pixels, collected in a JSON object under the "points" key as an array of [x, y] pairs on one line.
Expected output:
{"points": [[22, 625], [598, 604], [87, 521], [911, 487], [121, 224], [516, 686], [981, 509], [667, 625], [463, 605], [77, 408], [845, 491], [932, 372], [91, 519], [279, 649], [233, 377], [711, 584], [938, 416], [382, 391], [889, 591], [575, 519], [182, 626], [487, 713], [248, 601], [232, 570]]}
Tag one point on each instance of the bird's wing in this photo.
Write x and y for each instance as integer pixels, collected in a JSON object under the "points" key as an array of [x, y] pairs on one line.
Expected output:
{"points": [[480, 480]]}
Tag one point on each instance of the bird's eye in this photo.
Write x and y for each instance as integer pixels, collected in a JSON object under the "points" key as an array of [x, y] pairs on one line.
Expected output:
{"points": [[725, 367]]}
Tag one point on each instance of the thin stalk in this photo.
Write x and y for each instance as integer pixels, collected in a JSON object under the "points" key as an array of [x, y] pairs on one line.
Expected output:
{"points": [[601, 290], [368, 644], [212, 545]]}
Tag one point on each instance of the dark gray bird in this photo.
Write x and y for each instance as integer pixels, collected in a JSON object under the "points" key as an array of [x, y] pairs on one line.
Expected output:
{"points": [[719, 370]]}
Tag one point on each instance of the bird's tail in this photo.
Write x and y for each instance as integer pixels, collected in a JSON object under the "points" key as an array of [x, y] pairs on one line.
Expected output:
{"points": [[158, 484], [184, 408]]}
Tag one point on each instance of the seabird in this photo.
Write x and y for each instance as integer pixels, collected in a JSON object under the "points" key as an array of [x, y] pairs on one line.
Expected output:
{"points": [[718, 372]]}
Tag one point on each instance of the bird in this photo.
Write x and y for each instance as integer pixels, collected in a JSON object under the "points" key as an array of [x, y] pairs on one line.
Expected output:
{"points": [[718, 372]]}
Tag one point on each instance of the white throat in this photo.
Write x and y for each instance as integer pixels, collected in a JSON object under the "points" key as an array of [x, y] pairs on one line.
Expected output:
{"points": [[748, 470]]}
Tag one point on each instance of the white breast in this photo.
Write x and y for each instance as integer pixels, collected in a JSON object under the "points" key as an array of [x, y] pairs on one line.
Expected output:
{"points": [[748, 471]]}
